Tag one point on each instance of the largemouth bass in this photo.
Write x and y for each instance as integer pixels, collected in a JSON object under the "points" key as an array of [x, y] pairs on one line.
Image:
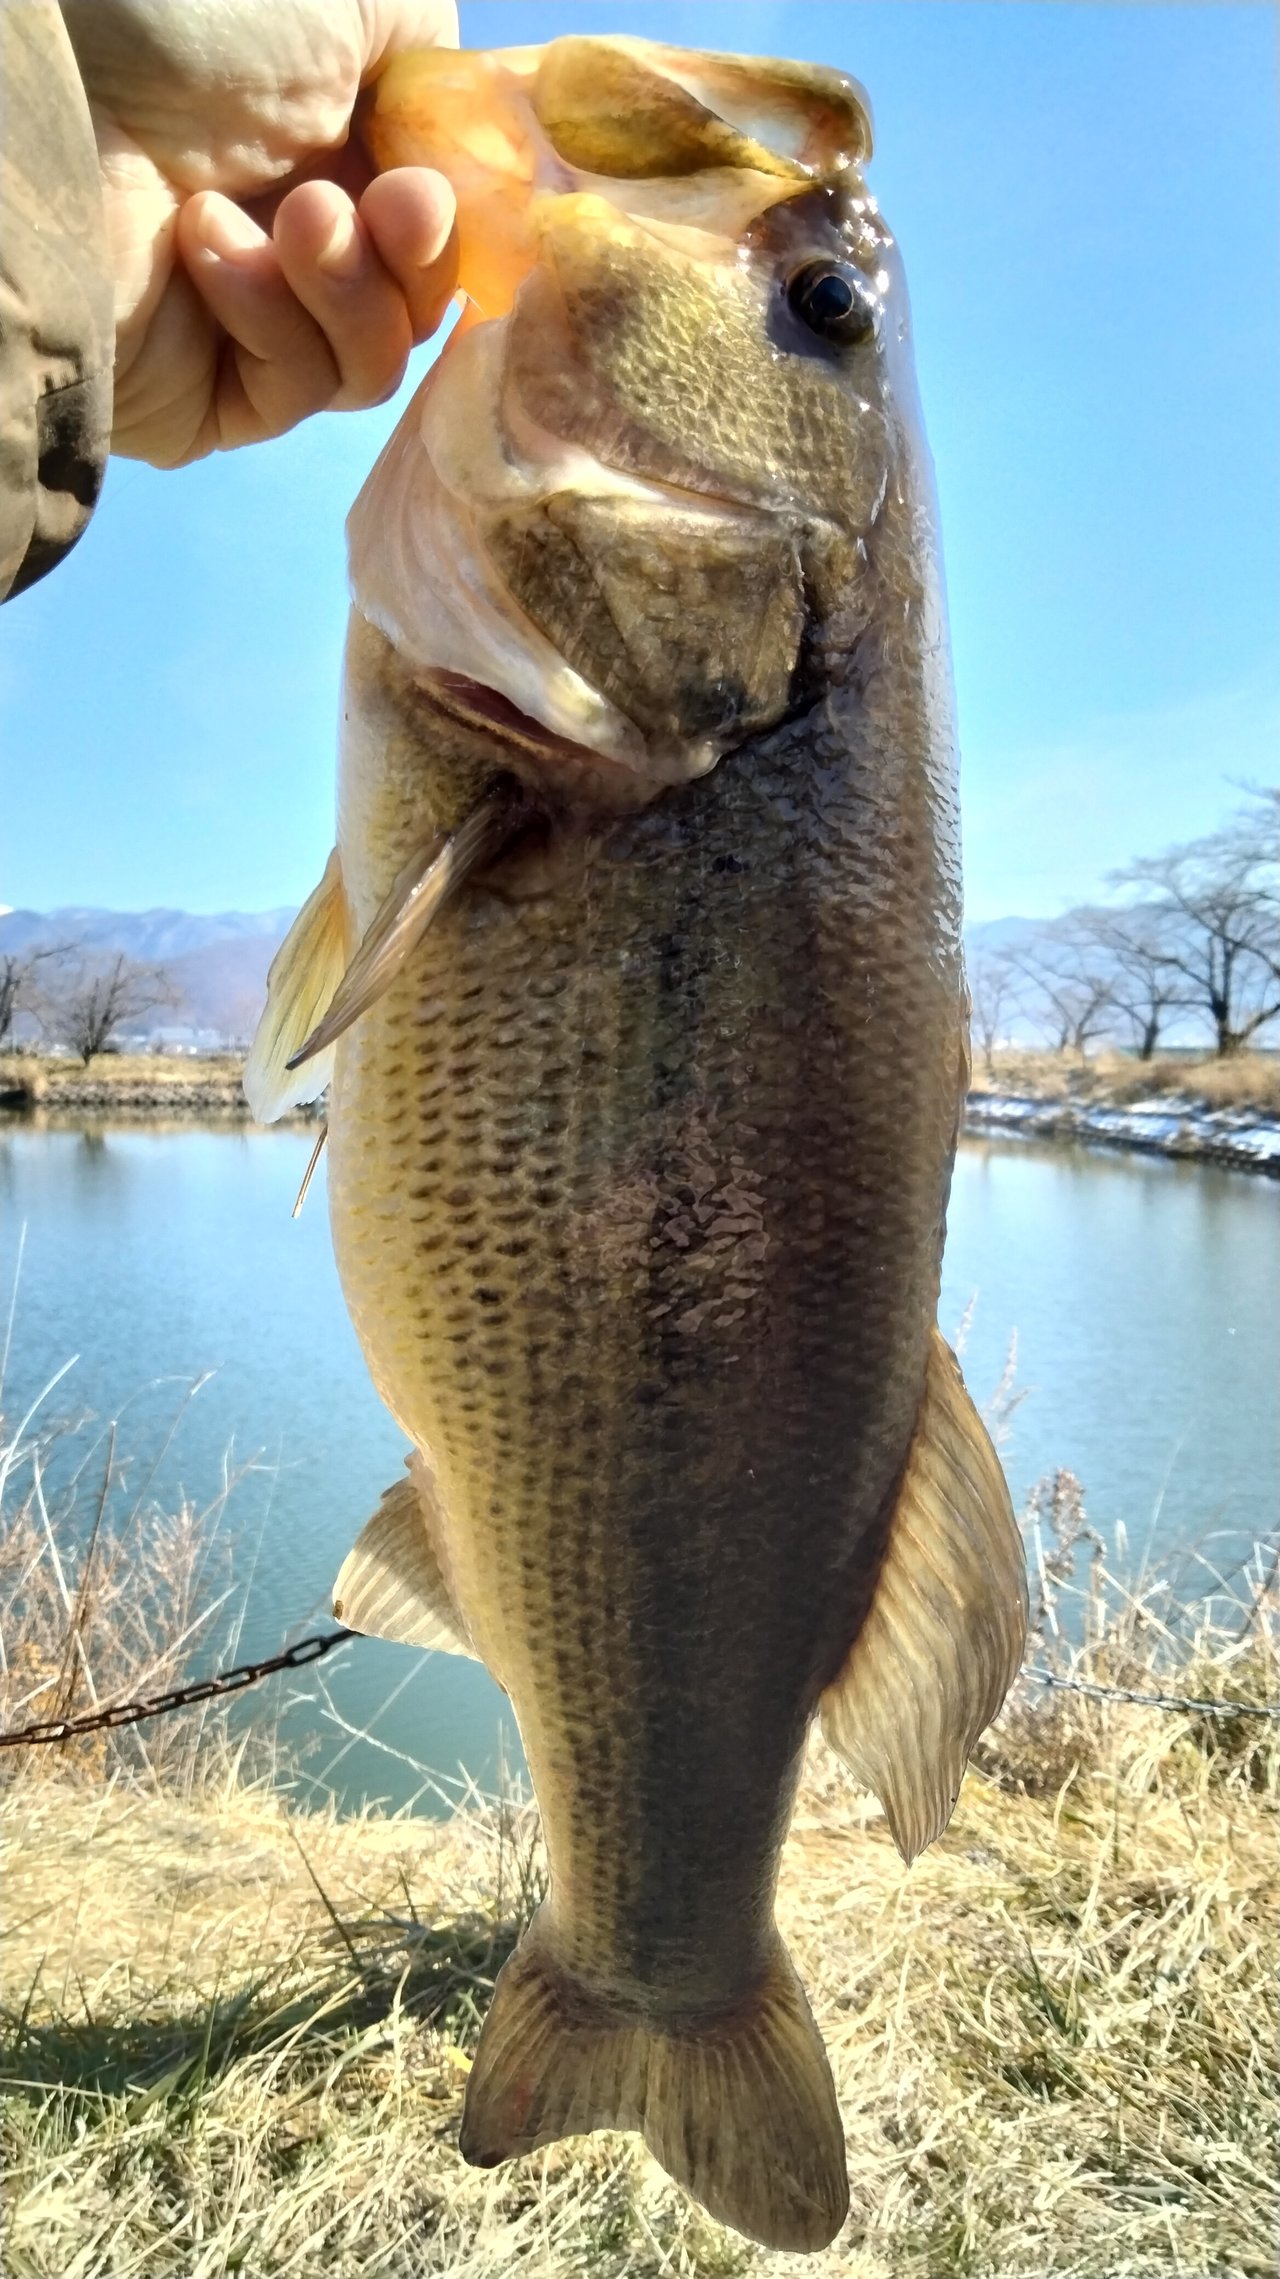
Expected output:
{"points": [[637, 973]]}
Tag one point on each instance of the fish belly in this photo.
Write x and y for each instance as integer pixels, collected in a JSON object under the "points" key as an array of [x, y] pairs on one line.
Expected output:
{"points": [[638, 1188]]}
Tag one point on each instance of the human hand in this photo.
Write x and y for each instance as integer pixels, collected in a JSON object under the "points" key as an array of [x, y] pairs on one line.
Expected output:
{"points": [[262, 271]]}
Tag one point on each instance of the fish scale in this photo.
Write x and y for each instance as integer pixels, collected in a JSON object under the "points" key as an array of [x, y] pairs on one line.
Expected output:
{"points": [[574, 1392]]}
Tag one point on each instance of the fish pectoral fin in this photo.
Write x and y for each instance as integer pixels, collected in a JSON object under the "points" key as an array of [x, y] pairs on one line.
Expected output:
{"points": [[741, 2109], [431, 877], [944, 1637], [305, 971], [391, 1584]]}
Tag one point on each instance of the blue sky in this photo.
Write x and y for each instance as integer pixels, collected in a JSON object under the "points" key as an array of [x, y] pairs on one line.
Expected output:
{"points": [[1088, 201]]}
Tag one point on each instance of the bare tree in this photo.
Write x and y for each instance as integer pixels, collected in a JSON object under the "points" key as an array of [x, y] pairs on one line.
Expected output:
{"points": [[89, 999], [993, 987], [1071, 979], [1258, 825], [1261, 820], [1146, 985], [20, 982], [14, 980], [1222, 897]]}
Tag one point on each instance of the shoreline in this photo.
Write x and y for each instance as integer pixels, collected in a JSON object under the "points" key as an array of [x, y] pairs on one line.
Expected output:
{"points": [[1168, 1124], [1033, 1103], [136, 1083], [131, 1087]]}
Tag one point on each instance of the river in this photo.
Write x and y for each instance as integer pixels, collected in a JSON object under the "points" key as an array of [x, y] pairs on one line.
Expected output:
{"points": [[1144, 1297]]}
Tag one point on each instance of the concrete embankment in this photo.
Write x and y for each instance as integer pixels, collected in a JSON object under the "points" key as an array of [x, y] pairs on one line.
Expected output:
{"points": [[198, 1098], [150, 1086], [1165, 1124]]}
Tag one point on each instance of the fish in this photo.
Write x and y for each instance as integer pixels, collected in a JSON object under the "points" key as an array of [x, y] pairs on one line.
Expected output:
{"points": [[636, 980]]}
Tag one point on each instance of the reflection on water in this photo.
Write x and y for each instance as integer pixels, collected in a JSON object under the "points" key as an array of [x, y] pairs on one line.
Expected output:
{"points": [[1145, 1298]]}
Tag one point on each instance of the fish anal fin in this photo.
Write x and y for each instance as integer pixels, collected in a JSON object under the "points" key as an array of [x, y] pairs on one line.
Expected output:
{"points": [[740, 2110], [391, 1583], [305, 972], [945, 1634]]}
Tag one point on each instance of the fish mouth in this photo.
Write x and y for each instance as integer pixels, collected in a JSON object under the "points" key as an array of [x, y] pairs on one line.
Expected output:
{"points": [[529, 535], [562, 775], [487, 547]]}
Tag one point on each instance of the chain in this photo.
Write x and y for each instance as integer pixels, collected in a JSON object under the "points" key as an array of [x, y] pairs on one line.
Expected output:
{"points": [[1155, 1700], [181, 1697], [312, 1649]]}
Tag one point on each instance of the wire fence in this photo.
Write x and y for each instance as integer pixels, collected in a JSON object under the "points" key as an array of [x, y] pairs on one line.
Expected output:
{"points": [[313, 1649]]}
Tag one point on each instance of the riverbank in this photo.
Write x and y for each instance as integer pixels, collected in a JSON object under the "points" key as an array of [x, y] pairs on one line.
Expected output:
{"points": [[128, 1087], [1224, 1112], [245, 2032], [124, 1084], [235, 2033]]}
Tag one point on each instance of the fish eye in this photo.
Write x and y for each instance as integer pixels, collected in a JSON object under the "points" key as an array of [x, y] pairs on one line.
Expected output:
{"points": [[834, 300]]}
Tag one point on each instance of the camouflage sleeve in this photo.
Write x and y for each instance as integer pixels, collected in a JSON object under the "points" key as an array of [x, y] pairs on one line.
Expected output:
{"points": [[56, 327]]}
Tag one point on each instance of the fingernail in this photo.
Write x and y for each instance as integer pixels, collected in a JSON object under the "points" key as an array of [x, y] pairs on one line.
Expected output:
{"points": [[445, 216], [226, 230], [415, 208], [340, 257]]}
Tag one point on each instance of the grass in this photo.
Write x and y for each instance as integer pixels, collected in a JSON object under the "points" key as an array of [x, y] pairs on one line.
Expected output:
{"points": [[209, 1082], [1247, 1081], [234, 2033]]}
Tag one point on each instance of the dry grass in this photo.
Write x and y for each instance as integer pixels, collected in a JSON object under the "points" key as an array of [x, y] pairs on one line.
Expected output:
{"points": [[1250, 1080], [106, 1595], [234, 2034], [148, 1082]]}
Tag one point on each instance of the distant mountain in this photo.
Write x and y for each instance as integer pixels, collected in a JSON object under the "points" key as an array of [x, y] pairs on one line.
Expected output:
{"points": [[224, 985], [219, 963], [153, 936]]}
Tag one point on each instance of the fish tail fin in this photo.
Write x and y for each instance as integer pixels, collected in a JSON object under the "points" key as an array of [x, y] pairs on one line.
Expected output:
{"points": [[740, 2110]]}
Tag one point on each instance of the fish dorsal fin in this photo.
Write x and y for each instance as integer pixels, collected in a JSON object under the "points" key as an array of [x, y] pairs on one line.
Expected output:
{"points": [[430, 878], [305, 972], [391, 1584], [945, 1635]]}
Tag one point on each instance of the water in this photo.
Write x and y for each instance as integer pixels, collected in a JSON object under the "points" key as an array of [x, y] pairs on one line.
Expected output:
{"points": [[1145, 1298]]}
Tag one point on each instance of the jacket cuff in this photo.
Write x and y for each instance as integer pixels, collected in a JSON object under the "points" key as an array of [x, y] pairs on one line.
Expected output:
{"points": [[56, 315]]}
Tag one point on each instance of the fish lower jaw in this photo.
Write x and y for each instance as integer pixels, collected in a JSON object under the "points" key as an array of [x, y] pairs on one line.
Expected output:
{"points": [[554, 729], [569, 774]]}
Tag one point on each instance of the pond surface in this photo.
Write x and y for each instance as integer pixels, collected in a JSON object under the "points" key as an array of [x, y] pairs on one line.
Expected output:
{"points": [[1144, 1297]]}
